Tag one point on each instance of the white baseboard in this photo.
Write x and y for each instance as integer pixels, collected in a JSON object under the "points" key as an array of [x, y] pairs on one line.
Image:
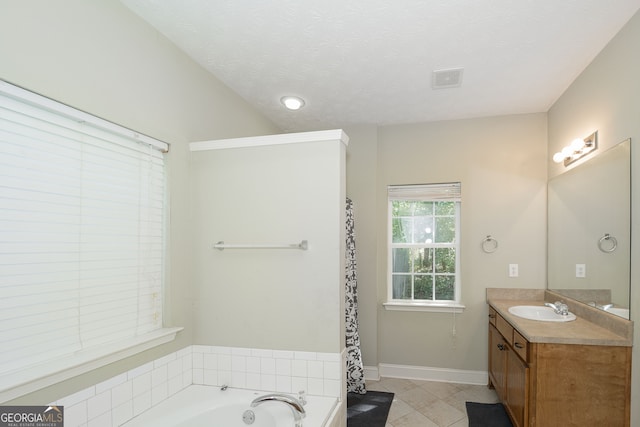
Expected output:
{"points": [[424, 373], [371, 373]]}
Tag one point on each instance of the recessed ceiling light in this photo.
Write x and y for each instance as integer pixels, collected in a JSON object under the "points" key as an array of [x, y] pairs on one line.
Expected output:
{"points": [[292, 102]]}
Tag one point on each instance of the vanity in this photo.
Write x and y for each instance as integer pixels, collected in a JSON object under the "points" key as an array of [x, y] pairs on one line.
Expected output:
{"points": [[554, 373]]}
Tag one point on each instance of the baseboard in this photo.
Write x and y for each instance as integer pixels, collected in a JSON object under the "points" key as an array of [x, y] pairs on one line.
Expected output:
{"points": [[371, 373], [424, 373]]}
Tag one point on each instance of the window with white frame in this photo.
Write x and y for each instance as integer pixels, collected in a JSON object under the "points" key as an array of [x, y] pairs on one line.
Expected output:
{"points": [[424, 245], [82, 225]]}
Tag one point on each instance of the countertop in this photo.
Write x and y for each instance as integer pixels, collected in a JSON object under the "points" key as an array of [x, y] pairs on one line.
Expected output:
{"points": [[579, 331]]}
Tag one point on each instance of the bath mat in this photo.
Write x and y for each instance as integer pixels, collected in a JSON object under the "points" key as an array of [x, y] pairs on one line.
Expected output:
{"points": [[368, 410], [487, 415]]}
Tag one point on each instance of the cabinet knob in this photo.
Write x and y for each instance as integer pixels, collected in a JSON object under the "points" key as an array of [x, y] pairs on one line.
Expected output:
{"points": [[518, 345], [500, 347]]}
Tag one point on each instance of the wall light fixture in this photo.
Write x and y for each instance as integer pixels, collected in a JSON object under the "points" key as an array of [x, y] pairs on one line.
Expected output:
{"points": [[577, 149]]}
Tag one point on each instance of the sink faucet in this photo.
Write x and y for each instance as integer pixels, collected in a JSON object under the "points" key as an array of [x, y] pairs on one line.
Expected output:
{"points": [[604, 307], [293, 403], [559, 308]]}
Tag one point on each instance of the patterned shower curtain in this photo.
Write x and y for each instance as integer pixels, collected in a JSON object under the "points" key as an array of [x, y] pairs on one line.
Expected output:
{"points": [[355, 370]]}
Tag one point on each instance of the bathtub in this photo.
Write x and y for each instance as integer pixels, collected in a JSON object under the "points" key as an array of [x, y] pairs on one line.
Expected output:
{"points": [[199, 405]]}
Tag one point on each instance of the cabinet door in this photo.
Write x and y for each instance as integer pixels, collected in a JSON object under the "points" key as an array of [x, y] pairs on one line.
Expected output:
{"points": [[497, 361], [517, 389]]}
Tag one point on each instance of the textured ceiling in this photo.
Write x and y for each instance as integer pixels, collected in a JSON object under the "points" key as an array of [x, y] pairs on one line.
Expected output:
{"points": [[371, 61]]}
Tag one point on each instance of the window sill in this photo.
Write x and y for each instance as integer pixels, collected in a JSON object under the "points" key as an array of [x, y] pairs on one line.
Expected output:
{"points": [[19, 383], [450, 307]]}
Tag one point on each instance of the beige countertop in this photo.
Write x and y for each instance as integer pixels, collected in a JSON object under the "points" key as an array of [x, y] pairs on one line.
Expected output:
{"points": [[579, 331]]}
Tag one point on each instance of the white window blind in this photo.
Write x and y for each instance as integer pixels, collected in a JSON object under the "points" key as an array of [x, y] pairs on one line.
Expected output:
{"points": [[82, 206], [426, 192]]}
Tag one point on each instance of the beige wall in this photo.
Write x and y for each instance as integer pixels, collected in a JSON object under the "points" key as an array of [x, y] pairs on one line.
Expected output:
{"points": [[606, 98], [362, 159], [501, 164], [273, 299], [100, 58]]}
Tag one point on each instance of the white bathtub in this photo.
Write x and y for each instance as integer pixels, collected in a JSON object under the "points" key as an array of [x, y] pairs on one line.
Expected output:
{"points": [[199, 405]]}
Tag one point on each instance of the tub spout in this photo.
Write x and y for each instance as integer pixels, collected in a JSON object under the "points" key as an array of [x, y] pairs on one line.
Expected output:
{"points": [[293, 403]]}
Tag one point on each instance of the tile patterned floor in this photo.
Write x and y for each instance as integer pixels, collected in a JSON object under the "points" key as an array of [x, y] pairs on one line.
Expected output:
{"points": [[430, 404]]}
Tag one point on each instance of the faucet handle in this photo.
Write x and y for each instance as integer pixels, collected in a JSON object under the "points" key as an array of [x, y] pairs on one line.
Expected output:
{"points": [[302, 397], [559, 307], [562, 308]]}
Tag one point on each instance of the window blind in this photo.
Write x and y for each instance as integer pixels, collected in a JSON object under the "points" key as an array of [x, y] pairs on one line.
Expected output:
{"points": [[82, 205], [426, 192]]}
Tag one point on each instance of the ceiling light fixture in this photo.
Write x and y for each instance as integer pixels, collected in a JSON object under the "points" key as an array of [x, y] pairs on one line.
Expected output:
{"points": [[577, 149], [292, 102]]}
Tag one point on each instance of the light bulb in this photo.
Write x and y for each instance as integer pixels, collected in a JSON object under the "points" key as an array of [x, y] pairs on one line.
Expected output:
{"points": [[558, 157], [577, 144], [292, 102], [567, 151]]}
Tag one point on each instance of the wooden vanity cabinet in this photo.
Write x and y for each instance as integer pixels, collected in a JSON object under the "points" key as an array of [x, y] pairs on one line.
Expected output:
{"points": [[550, 384], [508, 373], [517, 389], [497, 361]]}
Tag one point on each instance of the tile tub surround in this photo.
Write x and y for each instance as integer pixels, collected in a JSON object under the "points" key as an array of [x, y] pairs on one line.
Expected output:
{"points": [[120, 398]]}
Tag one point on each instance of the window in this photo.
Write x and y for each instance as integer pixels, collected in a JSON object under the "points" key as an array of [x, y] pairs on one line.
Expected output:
{"points": [[82, 207], [424, 246]]}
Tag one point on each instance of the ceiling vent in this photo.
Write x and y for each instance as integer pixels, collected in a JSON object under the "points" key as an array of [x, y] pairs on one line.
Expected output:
{"points": [[445, 79]]}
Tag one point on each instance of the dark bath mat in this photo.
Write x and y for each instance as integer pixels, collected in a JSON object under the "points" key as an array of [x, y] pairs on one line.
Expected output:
{"points": [[487, 415], [368, 410]]}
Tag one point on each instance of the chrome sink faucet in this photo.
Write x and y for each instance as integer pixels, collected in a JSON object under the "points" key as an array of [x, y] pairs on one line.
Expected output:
{"points": [[559, 307], [293, 403], [604, 307]]}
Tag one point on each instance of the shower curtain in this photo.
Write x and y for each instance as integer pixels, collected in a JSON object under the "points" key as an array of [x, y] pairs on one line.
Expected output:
{"points": [[355, 370]]}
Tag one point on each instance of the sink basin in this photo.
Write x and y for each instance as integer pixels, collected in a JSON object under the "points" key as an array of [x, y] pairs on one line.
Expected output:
{"points": [[541, 313]]}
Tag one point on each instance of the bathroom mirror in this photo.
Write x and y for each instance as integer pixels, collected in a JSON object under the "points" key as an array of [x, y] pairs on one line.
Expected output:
{"points": [[589, 231]]}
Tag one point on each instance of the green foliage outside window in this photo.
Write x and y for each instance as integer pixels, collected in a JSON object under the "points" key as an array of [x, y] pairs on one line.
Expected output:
{"points": [[423, 256]]}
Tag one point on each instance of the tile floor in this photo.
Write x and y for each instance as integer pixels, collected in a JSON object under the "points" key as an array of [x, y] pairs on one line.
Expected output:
{"points": [[430, 404]]}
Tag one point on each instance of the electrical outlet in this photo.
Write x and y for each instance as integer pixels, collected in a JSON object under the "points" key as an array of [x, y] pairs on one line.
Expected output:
{"points": [[581, 270], [513, 270]]}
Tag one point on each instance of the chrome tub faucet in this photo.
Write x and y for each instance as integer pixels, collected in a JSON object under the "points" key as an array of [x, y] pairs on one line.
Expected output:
{"points": [[293, 403]]}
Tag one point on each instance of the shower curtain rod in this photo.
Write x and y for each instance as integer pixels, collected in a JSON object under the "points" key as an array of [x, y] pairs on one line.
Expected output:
{"points": [[221, 245]]}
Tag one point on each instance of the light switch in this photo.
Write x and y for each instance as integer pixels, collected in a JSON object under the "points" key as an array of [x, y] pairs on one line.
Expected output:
{"points": [[581, 270], [513, 270]]}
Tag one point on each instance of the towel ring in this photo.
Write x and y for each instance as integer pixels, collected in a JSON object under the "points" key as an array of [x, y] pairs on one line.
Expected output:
{"points": [[489, 244], [613, 243]]}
